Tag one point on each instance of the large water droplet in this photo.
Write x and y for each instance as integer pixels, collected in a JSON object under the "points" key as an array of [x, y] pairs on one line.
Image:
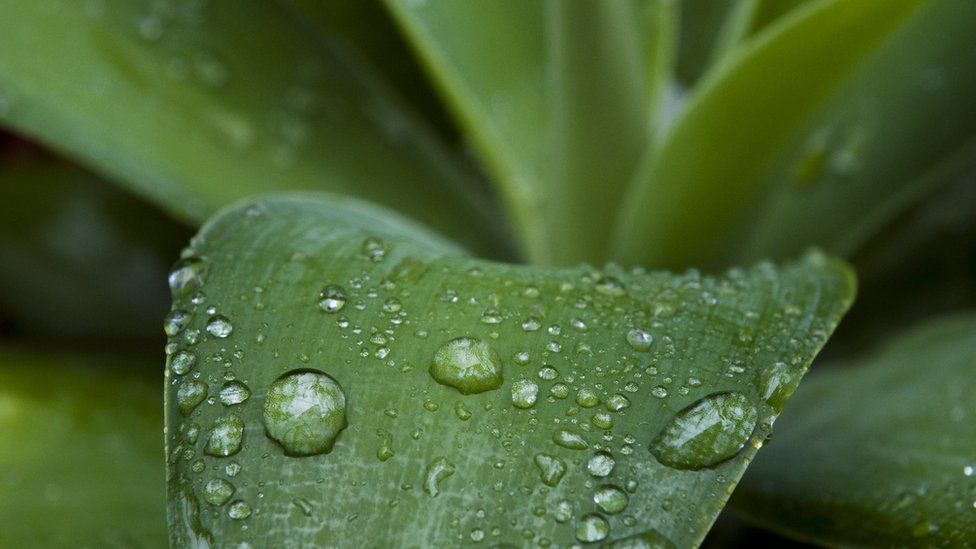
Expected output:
{"points": [[706, 433], [239, 510], [524, 393], [601, 464], [551, 469], [332, 298], [467, 364], [175, 321], [218, 491], [305, 411], [592, 528], [640, 340], [188, 275], [437, 470], [225, 436], [234, 392], [776, 385], [569, 440], [189, 395], [610, 498], [587, 398], [182, 362], [219, 326]]}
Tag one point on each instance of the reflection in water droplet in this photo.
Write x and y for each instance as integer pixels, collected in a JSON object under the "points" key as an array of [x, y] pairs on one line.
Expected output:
{"points": [[239, 510], [218, 491], [188, 275], [182, 362], [706, 433], [592, 528], [189, 395], [305, 411], [524, 394], [551, 469], [332, 298], [437, 470], [587, 398], [469, 365], [219, 326], [639, 340], [610, 498], [617, 403], [234, 392], [601, 464], [225, 436], [569, 440]]}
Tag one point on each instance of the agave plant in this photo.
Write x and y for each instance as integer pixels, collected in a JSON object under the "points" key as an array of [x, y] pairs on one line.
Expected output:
{"points": [[508, 272]]}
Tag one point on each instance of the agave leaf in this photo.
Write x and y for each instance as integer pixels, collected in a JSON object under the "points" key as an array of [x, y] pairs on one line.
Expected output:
{"points": [[195, 104], [557, 99], [709, 30], [895, 471], [479, 400], [80, 257], [803, 135], [81, 452]]}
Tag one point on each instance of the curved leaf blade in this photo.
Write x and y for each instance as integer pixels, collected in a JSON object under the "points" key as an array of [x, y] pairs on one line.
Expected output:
{"points": [[895, 471], [420, 463], [82, 456], [699, 194], [195, 105]]}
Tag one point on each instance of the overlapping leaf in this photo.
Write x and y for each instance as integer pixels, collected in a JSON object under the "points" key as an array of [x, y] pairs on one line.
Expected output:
{"points": [[585, 382], [847, 469]]}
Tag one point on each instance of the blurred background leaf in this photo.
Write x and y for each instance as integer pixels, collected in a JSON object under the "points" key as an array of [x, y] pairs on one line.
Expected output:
{"points": [[81, 259], [845, 468], [194, 105], [81, 462]]}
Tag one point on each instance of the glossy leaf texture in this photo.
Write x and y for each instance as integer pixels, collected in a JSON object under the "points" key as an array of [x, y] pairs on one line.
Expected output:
{"points": [[896, 470], [557, 99], [349, 381], [196, 104], [81, 259], [81, 452], [810, 133]]}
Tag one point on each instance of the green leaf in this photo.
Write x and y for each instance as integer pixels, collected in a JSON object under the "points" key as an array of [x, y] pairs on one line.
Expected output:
{"points": [[195, 105], [80, 258], [894, 469], [82, 452], [793, 140], [710, 29], [557, 99], [466, 399]]}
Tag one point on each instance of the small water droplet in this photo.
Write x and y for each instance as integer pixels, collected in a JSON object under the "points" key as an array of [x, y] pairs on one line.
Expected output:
{"points": [[617, 403], [551, 469], [524, 393], [660, 391], [437, 470], [218, 491], [175, 321], [602, 420], [592, 527], [587, 398], [188, 275], [640, 340], [234, 392], [189, 395], [610, 499], [374, 250], [239, 510], [707, 432], [182, 362], [219, 326], [468, 364], [559, 390], [531, 324], [651, 539], [461, 411], [776, 385], [305, 411], [303, 505], [548, 373], [225, 436]]}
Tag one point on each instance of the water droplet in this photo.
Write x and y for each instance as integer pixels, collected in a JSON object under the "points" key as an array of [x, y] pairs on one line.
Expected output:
{"points": [[374, 250], [587, 398], [175, 321], [234, 392], [431, 406], [559, 390], [551, 469], [437, 470], [707, 432], [232, 469], [524, 393], [660, 391], [602, 420], [651, 539], [467, 364], [304, 506], [188, 275], [491, 316], [531, 324], [569, 440], [617, 403], [461, 411], [601, 464], [385, 451], [392, 305], [640, 340], [592, 527], [548, 373], [219, 326], [239, 510], [305, 411], [610, 498], [189, 395], [332, 298], [218, 491], [776, 385], [225, 436], [182, 362]]}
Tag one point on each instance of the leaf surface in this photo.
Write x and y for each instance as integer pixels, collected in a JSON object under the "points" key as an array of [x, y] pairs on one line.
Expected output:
{"points": [[848, 470], [82, 454], [195, 105], [482, 401]]}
